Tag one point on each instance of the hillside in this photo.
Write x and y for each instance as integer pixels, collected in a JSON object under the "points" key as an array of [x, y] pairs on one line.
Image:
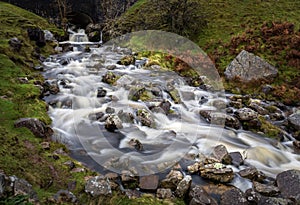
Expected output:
{"points": [[234, 25]]}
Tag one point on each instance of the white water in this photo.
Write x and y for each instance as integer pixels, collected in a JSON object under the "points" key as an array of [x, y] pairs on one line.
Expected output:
{"points": [[171, 139]]}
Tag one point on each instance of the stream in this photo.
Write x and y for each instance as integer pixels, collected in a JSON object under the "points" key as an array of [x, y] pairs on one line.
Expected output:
{"points": [[78, 116]]}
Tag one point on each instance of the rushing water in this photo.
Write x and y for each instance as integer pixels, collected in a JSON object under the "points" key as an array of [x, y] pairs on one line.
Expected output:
{"points": [[180, 134]]}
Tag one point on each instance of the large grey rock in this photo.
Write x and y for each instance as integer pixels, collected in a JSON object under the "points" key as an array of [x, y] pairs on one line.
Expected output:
{"points": [[294, 121], [246, 66], [98, 186], [266, 190], [288, 183], [246, 114], [22, 187]]}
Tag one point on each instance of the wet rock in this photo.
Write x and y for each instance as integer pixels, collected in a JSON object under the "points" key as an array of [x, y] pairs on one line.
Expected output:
{"points": [[22, 187], [172, 179], [136, 93], [288, 183], [15, 44], [110, 110], [219, 118], [294, 121], [233, 196], [145, 118], [236, 104], [198, 196], [37, 127], [252, 173], [246, 66], [203, 99], [136, 144], [194, 167], [64, 196], [296, 144], [149, 182], [220, 152], [164, 193], [110, 78], [252, 196], [165, 106], [100, 116], [266, 190], [112, 123], [183, 186], [127, 60], [126, 117], [50, 87], [246, 114], [113, 178], [37, 35], [101, 92], [111, 67], [98, 186], [237, 158], [173, 92], [274, 201], [217, 172]]}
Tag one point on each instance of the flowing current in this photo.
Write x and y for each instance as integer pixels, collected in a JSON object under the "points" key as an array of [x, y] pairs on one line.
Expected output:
{"points": [[177, 135]]}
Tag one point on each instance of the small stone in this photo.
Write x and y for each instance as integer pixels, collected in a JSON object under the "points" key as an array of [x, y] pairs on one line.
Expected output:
{"points": [[101, 92], [70, 164], [45, 145], [274, 201], [77, 170], [164, 193], [149, 182], [252, 173], [145, 118], [110, 110], [136, 144], [194, 168], [217, 172], [64, 196], [127, 60], [111, 67]]}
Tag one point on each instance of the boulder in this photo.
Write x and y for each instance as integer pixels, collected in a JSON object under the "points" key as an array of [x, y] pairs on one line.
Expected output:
{"points": [[246, 66], [219, 118], [198, 196], [288, 183], [98, 186], [237, 158], [37, 127]]}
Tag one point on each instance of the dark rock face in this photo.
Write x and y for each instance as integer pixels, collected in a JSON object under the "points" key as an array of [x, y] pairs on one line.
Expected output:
{"points": [[246, 66], [288, 183], [37, 127], [37, 35]]}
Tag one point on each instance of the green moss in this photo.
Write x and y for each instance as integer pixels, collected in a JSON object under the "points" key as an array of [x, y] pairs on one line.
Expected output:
{"points": [[269, 129]]}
